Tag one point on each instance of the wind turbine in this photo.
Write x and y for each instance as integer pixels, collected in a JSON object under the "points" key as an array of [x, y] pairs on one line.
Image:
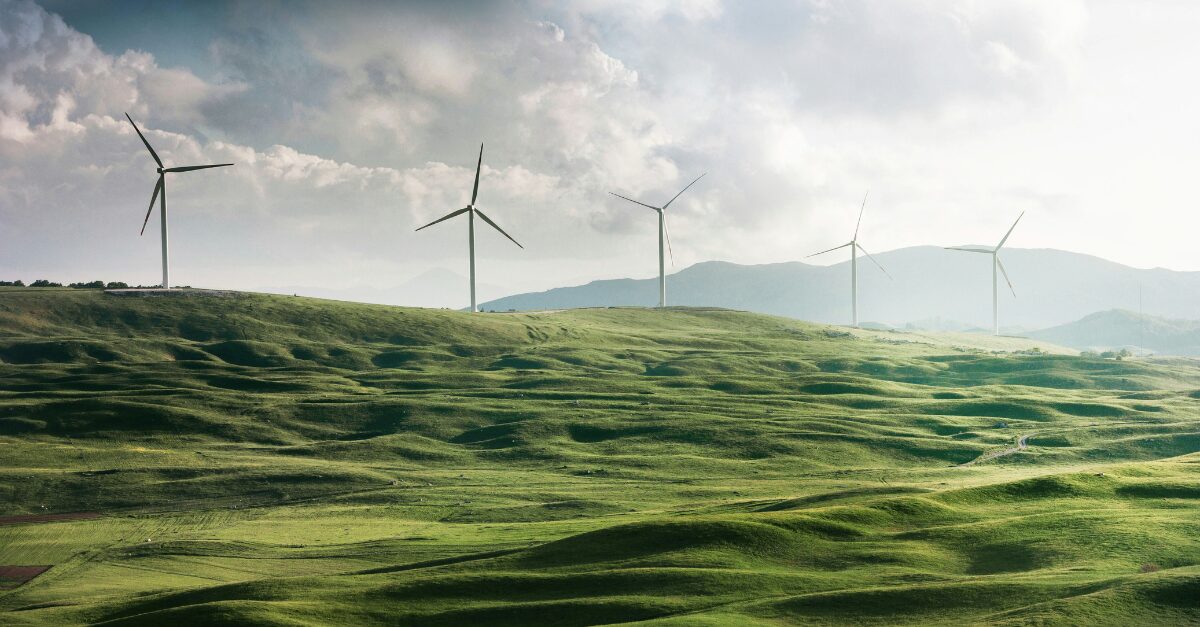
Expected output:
{"points": [[471, 210], [996, 263], [854, 248], [160, 194], [662, 235]]}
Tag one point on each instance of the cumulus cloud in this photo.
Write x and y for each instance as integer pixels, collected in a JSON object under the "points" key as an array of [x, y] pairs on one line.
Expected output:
{"points": [[277, 201], [76, 179], [50, 73], [855, 56], [351, 125]]}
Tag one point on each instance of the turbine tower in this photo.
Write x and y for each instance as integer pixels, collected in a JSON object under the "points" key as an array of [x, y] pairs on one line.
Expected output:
{"points": [[996, 263], [854, 248], [160, 194], [471, 210], [662, 235]]}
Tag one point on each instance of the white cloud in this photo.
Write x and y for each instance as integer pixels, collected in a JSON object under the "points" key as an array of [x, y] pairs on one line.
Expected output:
{"points": [[351, 126], [46, 66]]}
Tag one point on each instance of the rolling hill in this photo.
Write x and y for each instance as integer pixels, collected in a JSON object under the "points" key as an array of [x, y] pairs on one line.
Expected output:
{"points": [[931, 286], [280, 460], [1118, 328]]}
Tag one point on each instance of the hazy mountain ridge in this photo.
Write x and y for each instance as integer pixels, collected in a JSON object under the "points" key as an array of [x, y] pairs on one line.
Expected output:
{"points": [[1119, 328], [435, 288], [1053, 287]]}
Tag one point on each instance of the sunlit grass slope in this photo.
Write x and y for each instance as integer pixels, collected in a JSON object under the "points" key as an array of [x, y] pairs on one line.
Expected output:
{"points": [[291, 461]]}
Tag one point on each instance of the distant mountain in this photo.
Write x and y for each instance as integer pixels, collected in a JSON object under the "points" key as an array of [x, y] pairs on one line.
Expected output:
{"points": [[434, 288], [1117, 328], [950, 289]]}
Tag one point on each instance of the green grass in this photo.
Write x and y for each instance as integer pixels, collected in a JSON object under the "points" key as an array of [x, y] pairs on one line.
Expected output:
{"points": [[296, 461]]}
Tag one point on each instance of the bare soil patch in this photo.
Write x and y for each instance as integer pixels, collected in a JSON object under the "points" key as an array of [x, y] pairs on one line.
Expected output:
{"points": [[13, 576]]}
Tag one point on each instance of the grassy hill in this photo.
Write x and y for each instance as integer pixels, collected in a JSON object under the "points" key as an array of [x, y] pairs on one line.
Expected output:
{"points": [[1119, 328], [199, 460]]}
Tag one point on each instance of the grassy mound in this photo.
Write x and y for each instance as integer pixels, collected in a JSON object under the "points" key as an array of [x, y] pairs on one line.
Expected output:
{"points": [[283, 460]]}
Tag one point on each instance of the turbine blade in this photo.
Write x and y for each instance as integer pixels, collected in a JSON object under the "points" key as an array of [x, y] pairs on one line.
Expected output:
{"points": [[968, 250], [139, 132], [684, 190], [636, 202], [189, 168], [873, 260], [860, 212], [446, 217], [1005, 273], [497, 227], [153, 197], [478, 167], [667, 234], [831, 249], [1010, 230]]}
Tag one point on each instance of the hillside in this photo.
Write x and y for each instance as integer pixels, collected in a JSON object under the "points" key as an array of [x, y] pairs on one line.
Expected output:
{"points": [[282, 460], [1119, 328], [930, 284]]}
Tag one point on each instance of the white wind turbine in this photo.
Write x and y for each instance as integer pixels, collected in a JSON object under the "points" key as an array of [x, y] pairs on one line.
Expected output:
{"points": [[471, 210], [160, 194], [662, 235], [996, 263], [854, 248]]}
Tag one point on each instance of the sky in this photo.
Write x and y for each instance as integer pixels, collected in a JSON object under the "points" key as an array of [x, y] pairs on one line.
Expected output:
{"points": [[353, 123]]}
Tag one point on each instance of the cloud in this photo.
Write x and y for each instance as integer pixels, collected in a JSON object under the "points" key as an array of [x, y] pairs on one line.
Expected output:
{"points": [[76, 180], [49, 71], [352, 125]]}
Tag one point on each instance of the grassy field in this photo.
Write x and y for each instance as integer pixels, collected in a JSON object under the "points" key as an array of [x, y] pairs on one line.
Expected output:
{"points": [[290, 461]]}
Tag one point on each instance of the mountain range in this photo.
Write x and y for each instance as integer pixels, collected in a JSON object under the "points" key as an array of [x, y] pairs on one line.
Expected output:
{"points": [[931, 287]]}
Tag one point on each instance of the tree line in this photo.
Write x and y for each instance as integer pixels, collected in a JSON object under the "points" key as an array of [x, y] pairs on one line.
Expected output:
{"points": [[79, 286]]}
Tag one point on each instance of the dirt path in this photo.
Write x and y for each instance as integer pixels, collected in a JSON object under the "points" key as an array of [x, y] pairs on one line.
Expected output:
{"points": [[1022, 444]]}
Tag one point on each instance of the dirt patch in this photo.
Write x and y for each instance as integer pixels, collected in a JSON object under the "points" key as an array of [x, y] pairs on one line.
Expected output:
{"points": [[45, 518], [13, 576]]}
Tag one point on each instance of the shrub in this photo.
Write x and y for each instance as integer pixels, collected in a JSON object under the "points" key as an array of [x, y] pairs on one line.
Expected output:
{"points": [[117, 285], [44, 283], [17, 283], [89, 285]]}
